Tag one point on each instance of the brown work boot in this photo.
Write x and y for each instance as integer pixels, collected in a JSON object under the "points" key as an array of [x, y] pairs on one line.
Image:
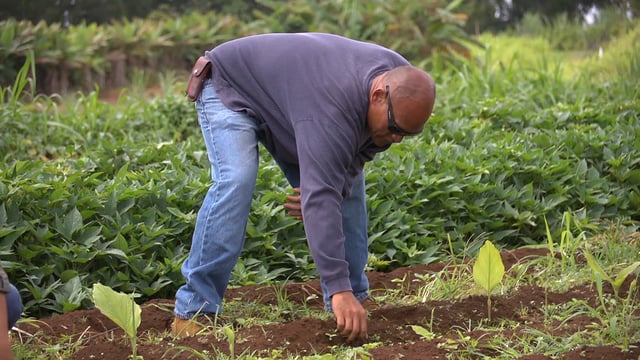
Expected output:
{"points": [[181, 328]]}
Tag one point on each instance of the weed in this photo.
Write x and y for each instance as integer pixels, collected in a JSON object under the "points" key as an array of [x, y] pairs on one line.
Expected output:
{"points": [[451, 282]]}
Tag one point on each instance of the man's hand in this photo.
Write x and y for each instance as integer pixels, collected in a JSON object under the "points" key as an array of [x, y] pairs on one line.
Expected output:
{"points": [[294, 205], [351, 317]]}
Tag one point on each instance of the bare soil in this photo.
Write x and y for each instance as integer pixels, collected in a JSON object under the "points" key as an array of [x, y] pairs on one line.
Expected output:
{"points": [[389, 325]]}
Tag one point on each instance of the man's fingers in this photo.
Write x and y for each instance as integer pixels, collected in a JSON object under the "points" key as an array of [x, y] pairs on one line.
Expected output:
{"points": [[355, 328], [293, 206], [351, 317], [348, 328], [359, 328], [351, 333], [293, 198], [355, 331], [340, 323], [295, 210], [363, 327]]}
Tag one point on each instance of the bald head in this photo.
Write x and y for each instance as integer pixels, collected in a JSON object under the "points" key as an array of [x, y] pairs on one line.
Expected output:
{"points": [[413, 92]]}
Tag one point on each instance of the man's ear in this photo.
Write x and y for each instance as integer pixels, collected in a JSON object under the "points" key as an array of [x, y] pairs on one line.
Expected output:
{"points": [[379, 96]]}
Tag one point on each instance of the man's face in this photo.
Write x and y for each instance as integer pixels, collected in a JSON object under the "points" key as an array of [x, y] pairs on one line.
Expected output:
{"points": [[386, 121]]}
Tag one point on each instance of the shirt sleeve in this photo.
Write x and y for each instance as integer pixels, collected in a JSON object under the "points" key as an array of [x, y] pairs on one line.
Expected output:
{"points": [[326, 153]]}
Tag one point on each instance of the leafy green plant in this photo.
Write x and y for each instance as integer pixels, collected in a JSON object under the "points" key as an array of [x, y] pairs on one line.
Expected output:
{"points": [[488, 271], [122, 310], [424, 333], [230, 334], [569, 243], [617, 281]]}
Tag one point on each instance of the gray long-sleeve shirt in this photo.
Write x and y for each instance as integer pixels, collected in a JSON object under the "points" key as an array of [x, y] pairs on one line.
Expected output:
{"points": [[310, 94]]}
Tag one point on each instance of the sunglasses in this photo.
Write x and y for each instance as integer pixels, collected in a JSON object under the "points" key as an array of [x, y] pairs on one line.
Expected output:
{"points": [[393, 125]]}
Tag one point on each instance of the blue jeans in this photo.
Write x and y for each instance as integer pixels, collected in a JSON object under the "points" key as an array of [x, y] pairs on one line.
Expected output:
{"points": [[14, 306], [232, 145]]}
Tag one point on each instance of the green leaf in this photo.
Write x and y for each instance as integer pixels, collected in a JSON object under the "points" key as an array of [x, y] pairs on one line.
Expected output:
{"points": [[4, 190], [118, 307], [488, 269], [71, 222], [4, 231], [3, 214], [426, 334], [622, 275], [452, 5], [633, 176], [593, 264], [550, 243]]}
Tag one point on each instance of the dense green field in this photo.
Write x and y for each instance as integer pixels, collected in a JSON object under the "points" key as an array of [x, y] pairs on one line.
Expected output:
{"points": [[92, 191]]}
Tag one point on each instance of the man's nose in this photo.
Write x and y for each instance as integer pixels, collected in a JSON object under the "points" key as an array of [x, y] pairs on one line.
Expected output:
{"points": [[397, 138]]}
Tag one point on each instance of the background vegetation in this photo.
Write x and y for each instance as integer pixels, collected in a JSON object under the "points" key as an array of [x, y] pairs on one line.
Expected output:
{"points": [[526, 128], [484, 15], [85, 55]]}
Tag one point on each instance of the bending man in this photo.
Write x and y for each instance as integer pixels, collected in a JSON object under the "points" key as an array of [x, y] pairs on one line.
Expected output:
{"points": [[322, 105]]}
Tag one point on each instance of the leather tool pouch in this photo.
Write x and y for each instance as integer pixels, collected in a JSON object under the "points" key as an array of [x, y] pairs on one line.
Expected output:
{"points": [[199, 73]]}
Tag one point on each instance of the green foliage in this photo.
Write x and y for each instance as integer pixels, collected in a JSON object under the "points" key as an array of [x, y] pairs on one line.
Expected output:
{"points": [[105, 11], [619, 57], [499, 15], [565, 33], [92, 192], [416, 29], [621, 276], [86, 55]]}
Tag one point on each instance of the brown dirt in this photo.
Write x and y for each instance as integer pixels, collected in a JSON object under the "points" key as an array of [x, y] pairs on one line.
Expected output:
{"points": [[388, 325]]}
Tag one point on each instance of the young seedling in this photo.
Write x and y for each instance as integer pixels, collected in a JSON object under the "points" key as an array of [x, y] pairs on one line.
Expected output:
{"points": [[228, 332], [122, 310], [620, 278], [426, 334], [618, 319], [488, 270]]}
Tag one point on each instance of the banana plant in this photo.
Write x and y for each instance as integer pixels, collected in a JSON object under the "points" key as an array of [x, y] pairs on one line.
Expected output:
{"points": [[488, 271], [122, 310]]}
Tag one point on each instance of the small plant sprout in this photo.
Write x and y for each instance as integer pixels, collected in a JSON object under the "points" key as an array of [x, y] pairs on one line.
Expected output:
{"points": [[426, 334], [331, 335], [488, 270], [620, 278], [122, 310], [230, 334]]}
